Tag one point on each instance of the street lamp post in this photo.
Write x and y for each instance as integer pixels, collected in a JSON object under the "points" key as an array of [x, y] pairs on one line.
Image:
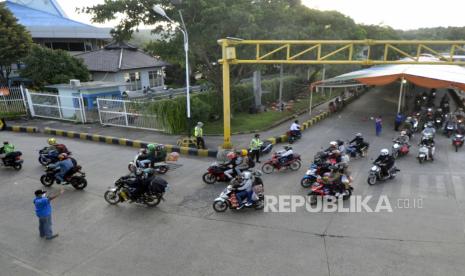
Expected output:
{"points": [[158, 9]]}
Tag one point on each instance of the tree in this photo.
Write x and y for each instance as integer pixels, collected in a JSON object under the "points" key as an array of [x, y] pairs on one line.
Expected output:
{"points": [[45, 66], [15, 42]]}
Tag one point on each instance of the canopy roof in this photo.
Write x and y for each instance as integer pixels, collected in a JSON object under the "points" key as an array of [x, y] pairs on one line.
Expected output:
{"points": [[429, 76]]}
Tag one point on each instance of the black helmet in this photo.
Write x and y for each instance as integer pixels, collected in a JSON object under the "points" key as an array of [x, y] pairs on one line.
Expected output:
{"points": [[340, 142]]}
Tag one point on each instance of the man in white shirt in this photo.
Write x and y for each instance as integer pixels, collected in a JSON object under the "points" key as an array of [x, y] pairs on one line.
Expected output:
{"points": [[295, 128]]}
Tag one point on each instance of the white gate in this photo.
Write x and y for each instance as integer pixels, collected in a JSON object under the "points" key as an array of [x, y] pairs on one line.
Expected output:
{"points": [[55, 106], [115, 112], [12, 101]]}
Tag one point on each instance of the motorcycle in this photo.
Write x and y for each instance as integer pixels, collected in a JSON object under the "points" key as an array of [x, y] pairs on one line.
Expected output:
{"points": [[45, 157], [423, 153], [123, 191], [354, 153], [438, 122], [314, 172], [215, 173], [375, 174], [399, 149], [323, 191], [293, 136], [457, 141], [76, 177], [159, 167], [265, 148], [227, 198], [14, 161], [273, 164], [449, 129]]}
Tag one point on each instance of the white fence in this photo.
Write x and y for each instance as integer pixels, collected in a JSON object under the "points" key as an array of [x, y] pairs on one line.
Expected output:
{"points": [[12, 101], [54, 106], [123, 113]]}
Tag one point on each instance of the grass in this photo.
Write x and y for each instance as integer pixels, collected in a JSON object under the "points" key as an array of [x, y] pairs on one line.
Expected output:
{"points": [[243, 122]]}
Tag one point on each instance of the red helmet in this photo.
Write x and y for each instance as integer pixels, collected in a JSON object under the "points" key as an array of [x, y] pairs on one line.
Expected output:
{"points": [[231, 155]]}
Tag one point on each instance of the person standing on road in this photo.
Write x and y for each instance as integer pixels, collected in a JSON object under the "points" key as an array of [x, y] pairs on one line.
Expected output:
{"points": [[398, 121], [44, 213], [198, 133], [378, 125], [255, 146]]}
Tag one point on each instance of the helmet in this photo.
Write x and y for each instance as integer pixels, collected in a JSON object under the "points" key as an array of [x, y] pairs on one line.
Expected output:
{"points": [[139, 172], [200, 124], [247, 175], [296, 121], [333, 144], [244, 152], [52, 141], [403, 133], [340, 142], [384, 152], [408, 119], [62, 156], [358, 135], [287, 147], [257, 135], [326, 176], [151, 147], [429, 124], [159, 147], [231, 155], [6, 142]]}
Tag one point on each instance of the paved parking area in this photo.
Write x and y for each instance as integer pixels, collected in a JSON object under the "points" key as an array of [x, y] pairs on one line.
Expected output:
{"points": [[184, 236]]}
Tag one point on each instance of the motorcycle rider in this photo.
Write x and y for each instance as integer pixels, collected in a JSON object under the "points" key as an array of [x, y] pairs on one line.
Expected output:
{"points": [[429, 130], [65, 164], [54, 149], [429, 143], [359, 142], [385, 161], [147, 156], [403, 138], [285, 155], [235, 160], [7, 151], [295, 129], [244, 188]]}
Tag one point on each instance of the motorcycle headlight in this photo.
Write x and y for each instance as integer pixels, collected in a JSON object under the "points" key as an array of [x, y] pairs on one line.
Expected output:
{"points": [[396, 146]]}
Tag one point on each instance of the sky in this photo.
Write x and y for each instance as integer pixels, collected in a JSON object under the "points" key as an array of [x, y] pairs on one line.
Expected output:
{"points": [[399, 14]]}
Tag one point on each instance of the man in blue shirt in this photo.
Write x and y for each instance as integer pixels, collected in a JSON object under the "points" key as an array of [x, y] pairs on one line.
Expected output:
{"points": [[44, 213]]}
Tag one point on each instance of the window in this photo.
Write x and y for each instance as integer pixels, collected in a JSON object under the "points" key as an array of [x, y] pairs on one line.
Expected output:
{"points": [[133, 81], [76, 46], [156, 78], [48, 45]]}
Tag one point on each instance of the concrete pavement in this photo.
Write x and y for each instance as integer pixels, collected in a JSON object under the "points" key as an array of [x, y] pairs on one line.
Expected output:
{"points": [[184, 236]]}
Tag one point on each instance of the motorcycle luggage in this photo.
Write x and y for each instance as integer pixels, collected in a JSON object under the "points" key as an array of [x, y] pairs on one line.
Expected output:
{"points": [[158, 185]]}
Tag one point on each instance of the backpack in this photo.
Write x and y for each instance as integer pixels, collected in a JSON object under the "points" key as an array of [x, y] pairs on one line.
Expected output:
{"points": [[61, 148]]}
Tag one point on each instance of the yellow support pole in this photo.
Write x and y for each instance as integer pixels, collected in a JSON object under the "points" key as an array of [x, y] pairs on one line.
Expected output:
{"points": [[226, 100]]}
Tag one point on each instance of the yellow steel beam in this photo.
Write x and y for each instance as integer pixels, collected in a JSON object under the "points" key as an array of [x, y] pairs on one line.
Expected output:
{"points": [[318, 45]]}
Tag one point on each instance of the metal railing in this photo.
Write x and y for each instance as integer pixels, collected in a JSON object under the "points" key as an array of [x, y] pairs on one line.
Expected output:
{"points": [[12, 102], [124, 113], [53, 106]]}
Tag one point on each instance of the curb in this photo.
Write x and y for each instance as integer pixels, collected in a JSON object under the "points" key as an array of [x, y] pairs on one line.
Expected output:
{"points": [[128, 142], [22, 129], [170, 148]]}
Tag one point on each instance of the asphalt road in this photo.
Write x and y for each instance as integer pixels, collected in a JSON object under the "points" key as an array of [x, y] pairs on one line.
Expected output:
{"points": [[184, 236]]}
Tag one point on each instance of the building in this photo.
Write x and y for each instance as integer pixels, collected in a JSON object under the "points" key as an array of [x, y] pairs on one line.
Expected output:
{"points": [[50, 26], [122, 62]]}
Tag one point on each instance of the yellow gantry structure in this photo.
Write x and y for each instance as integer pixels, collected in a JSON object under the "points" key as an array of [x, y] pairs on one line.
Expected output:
{"points": [[238, 51]]}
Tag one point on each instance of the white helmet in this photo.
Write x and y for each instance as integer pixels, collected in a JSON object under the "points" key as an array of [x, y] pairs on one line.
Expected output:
{"points": [[333, 143], [403, 133], [384, 152], [358, 135], [247, 175]]}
